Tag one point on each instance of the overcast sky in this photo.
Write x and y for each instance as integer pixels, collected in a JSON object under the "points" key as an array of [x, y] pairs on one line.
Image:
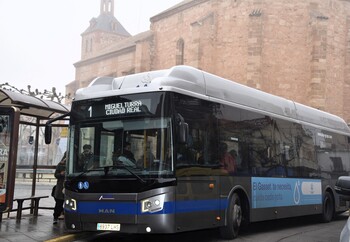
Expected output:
{"points": [[40, 40]]}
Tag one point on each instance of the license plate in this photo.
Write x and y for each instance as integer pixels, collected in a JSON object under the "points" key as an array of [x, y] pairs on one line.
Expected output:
{"points": [[108, 227]]}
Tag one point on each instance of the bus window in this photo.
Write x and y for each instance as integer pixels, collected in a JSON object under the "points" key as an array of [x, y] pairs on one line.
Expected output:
{"points": [[107, 145], [138, 144], [283, 152], [201, 147], [331, 152], [307, 164], [249, 137], [230, 138], [86, 158]]}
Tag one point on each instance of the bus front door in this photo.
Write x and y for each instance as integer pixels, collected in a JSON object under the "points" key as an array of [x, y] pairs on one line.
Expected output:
{"points": [[197, 202]]}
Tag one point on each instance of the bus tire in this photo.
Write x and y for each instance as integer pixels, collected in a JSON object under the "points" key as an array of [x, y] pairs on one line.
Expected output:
{"points": [[234, 218], [327, 208]]}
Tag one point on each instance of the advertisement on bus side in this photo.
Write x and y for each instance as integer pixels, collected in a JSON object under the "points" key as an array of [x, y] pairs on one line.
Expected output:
{"points": [[279, 192]]}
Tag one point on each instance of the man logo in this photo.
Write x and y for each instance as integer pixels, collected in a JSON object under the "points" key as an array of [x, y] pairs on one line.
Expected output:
{"points": [[106, 210]]}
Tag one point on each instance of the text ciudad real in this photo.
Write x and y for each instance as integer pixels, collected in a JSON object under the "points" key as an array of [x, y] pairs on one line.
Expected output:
{"points": [[123, 108]]}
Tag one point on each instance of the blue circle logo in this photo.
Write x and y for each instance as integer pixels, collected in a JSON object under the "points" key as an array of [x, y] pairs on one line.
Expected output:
{"points": [[86, 185], [80, 185]]}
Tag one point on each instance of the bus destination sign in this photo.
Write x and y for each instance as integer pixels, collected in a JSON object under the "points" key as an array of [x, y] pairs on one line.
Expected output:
{"points": [[123, 108], [118, 108]]}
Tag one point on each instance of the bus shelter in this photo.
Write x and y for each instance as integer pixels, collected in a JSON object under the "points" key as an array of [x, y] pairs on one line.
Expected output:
{"points": [[24, 156]]}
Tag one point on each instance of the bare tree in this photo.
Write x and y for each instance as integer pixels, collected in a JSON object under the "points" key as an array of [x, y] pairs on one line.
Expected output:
{"points": [[51, 95]]}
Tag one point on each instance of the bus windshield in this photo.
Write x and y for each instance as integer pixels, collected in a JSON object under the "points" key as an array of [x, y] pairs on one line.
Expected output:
{"points": [[138, 147], [117, 136]]}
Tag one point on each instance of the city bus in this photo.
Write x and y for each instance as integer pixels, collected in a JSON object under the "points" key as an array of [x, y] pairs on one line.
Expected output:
{"points": [[181, 149]]}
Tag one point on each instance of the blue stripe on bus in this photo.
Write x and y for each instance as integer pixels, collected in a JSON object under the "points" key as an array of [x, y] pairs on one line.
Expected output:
{"points": [[130, 208], [197, 205]]}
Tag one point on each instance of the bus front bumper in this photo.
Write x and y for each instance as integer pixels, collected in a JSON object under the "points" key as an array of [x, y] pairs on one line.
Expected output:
{"points": [[137, 224]]}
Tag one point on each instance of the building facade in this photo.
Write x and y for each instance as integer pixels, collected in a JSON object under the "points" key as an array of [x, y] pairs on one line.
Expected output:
{"points": [[299, 49]]}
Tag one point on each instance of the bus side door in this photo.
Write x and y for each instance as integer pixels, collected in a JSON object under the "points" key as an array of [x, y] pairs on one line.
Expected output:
{"points": [[197, 199]]}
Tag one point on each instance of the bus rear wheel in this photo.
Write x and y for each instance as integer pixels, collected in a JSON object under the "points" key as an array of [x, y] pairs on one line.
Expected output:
{"points": [[234, 218], [328, 208]]}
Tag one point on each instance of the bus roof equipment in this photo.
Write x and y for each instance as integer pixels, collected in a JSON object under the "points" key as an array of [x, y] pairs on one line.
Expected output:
{"points": [[191, 81]]}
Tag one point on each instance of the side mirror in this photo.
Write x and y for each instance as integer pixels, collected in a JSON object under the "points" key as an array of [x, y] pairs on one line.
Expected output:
{"points": [[342, 187], [182, 131], [48, 133], [31, 140]]}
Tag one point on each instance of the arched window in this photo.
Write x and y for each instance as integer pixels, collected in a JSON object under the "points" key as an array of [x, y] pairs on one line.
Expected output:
{"points": [[113, 26], [86, 46], [180, 46]]}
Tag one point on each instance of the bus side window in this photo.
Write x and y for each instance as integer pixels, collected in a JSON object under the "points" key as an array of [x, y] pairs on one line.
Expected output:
{"points": [[185, 154], [201, 144]]}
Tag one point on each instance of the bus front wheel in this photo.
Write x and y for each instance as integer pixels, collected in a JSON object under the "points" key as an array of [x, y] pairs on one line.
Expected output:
{"points": [[328, 208], [234, 218]]}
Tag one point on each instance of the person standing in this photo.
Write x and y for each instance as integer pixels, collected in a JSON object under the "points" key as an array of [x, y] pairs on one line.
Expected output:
{"points": [[60, 173], [86, 159]]}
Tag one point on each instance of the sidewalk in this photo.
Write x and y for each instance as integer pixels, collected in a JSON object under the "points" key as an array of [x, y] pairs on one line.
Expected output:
{"points": [[31, 228]]}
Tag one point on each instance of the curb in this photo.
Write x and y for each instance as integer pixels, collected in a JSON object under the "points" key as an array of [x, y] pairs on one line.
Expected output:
{"points": [[68, 237]]}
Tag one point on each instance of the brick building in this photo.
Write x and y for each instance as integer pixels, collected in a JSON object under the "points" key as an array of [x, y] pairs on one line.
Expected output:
{"points": [[296, 49]]}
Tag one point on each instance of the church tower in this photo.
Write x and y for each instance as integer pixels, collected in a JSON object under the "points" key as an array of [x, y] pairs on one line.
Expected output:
{"points": [[107, 7], [102, 32]]}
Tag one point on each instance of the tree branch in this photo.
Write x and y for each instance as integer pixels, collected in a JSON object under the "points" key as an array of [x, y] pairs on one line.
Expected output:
{"points": [[52, 95]]}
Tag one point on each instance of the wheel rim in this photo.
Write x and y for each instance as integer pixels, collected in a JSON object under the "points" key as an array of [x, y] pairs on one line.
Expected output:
{"points": [[237, 216], [328, 208]]}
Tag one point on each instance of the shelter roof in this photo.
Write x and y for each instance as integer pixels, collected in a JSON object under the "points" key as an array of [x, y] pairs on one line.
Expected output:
{"points": [[32, 106]]}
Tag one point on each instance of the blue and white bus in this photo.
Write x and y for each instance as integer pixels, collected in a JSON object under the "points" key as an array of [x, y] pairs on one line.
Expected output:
{"points": [[181, 149]]}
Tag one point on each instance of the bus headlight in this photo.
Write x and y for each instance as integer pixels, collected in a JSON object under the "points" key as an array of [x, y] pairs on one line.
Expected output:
{"points": [[70, 204], [152, 204]]}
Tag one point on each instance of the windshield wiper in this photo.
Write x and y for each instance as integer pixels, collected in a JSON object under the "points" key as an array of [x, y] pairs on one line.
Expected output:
{"points": [[87, 171], [121, 166], [106, 170]]}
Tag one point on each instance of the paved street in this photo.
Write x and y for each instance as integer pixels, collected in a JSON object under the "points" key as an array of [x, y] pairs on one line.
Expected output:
{"points": [[305, 229]]}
